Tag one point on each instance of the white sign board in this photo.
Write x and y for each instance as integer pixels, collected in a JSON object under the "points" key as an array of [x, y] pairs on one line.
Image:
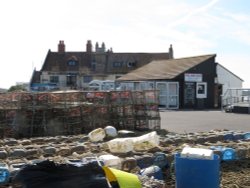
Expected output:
{"points": [[201, 90], [192, 77]]}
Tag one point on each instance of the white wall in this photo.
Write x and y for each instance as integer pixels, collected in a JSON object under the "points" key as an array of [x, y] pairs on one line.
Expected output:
{"points": [[227, 78]]}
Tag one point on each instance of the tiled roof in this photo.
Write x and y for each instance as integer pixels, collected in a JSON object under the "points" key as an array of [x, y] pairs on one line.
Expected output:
{"points": [[165, 69], [36, 77], [139, 59], [57, 62]]}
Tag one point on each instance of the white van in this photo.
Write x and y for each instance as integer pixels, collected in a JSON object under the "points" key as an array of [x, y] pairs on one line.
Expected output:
{"points": [[101, 85]]}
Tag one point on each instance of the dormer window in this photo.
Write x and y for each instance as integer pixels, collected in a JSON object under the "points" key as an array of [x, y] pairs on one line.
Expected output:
{"points": [[71, 63], [117, 64], [131, 64]]}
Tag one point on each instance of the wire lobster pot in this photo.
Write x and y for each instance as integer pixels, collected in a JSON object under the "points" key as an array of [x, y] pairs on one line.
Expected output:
{"points": [[75, 112]]}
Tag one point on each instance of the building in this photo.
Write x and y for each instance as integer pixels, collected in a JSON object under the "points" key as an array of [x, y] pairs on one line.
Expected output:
{"points": [[192, 82], [3, 90], [74, 70], [228, 79]]}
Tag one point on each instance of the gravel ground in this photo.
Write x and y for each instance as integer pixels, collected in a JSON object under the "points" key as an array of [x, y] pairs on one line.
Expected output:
{"points": [[197, 121], [234, 174]]}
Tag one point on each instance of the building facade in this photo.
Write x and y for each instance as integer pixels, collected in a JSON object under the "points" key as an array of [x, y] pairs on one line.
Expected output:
{"points": [[74, 70], [192, 82]]}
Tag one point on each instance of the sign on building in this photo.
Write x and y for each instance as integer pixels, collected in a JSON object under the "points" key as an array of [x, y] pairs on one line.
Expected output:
{"points": [[192, 77]]}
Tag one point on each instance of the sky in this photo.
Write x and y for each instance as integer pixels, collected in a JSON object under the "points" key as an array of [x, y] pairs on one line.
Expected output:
{"points": [[194, 27]]}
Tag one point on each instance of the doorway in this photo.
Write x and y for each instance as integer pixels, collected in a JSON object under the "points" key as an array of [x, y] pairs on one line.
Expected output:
{"points": [[189, 94], [71, 81], [217, 95], [168, 94]]}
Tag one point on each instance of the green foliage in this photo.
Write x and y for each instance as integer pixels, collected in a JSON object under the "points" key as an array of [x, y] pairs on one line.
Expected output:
{"points": [[17, 88]]}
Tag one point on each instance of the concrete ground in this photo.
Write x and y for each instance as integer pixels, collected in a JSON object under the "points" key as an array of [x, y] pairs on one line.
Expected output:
{"points": [[186, 121]]}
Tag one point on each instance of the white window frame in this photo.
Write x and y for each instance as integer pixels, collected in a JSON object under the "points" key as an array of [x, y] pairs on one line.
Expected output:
{"points": [[201, 90]]}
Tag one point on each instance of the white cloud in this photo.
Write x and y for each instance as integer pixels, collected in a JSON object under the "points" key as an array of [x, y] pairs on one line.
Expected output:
{"points": [[194, 12], [237, 17], [242, 36], [31, 28]]}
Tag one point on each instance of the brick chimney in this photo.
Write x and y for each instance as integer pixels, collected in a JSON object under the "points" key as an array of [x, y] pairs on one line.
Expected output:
{"points": [[96, 46], [89, 46], [171, 52], [61, 46], [103, 47]]}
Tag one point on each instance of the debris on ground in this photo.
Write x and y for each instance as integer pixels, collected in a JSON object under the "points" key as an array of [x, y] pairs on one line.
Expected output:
{"points": [[79, 149]]}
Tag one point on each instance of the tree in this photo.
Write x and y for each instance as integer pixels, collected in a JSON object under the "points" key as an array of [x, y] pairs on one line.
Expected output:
{"points": [[17, 88]]}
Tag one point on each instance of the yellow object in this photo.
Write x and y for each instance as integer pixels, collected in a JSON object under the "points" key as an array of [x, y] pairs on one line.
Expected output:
{"points": [[124, 179]]}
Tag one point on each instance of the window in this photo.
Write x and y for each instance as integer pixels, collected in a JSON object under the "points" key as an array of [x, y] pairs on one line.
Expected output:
{"points": [[93, 65], [54, 79], [87, 79], [72, 63], [201, 90], [131, 64], [117, 64], [44, 80], [71, 80]]}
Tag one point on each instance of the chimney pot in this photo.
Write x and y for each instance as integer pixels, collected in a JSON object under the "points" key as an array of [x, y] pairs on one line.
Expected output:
{"points": [[171, 52], [89, 46], [61, 46]]}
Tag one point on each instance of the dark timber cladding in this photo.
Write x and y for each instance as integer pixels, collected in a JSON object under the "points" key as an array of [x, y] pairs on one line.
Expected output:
{"points": [[175, 70], [207, 69]]}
